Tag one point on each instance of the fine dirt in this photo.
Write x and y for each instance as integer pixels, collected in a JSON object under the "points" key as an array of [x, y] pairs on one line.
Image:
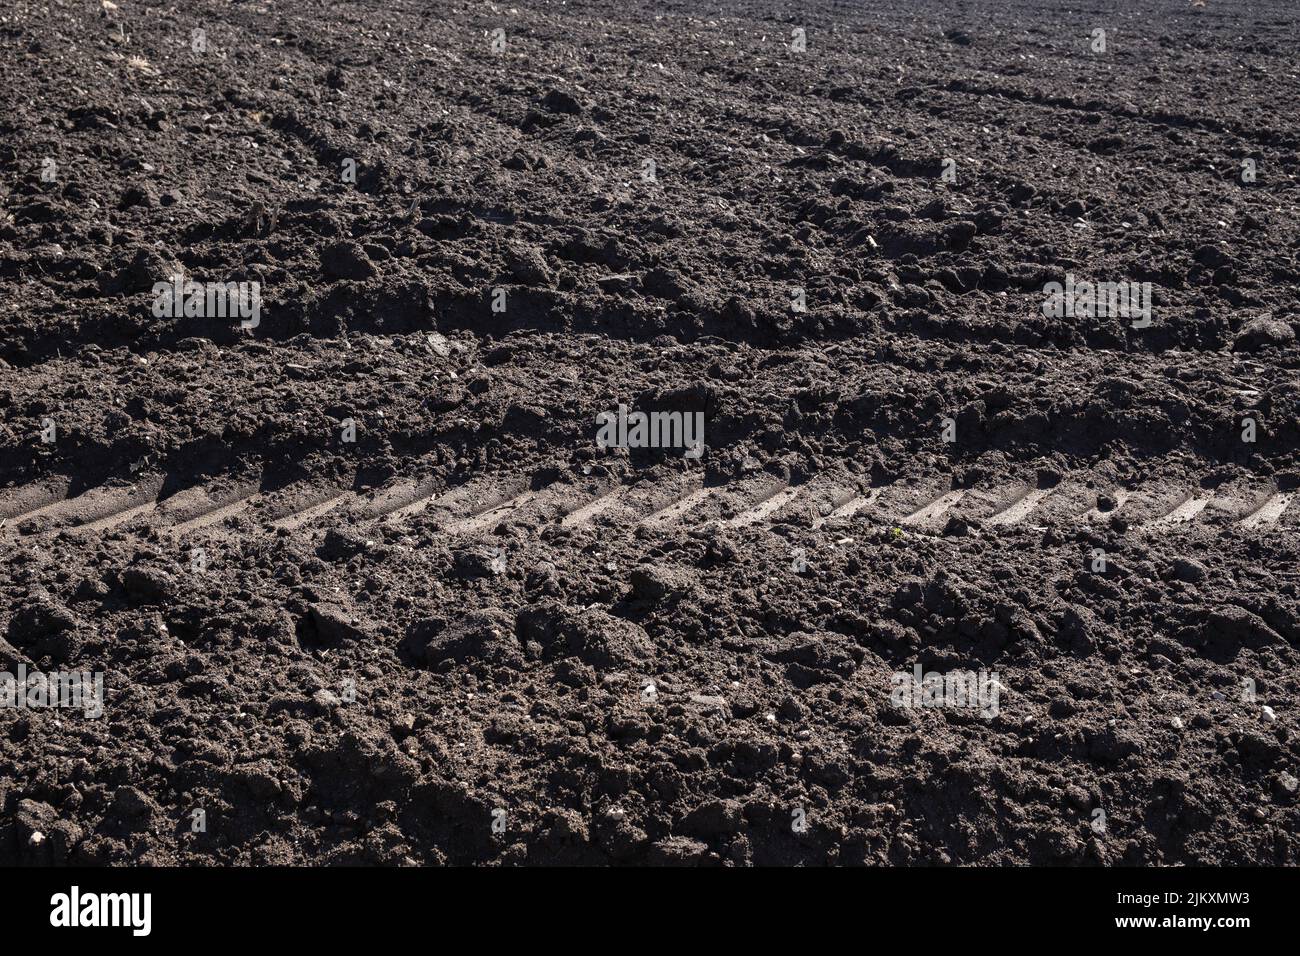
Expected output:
{"points": [[471, 635]]}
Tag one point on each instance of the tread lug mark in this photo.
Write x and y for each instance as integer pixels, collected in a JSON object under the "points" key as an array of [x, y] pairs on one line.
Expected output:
{"points": [[400, 502], [306, 515], [1184, 513], [765, 508], [849, 508], [582, 515], [30, 501], [1020, 508], [670, 513], [51, 507], [220, 510], [100, 507], [455, 506], [1269, 511], [110, 521], [935, 508], [488, 517]]}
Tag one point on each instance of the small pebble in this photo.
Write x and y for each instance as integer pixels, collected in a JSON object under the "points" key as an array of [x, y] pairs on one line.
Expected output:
{"points": [[326, 698]]}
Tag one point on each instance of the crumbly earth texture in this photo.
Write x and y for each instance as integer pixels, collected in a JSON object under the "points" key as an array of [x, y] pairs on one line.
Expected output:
{"points": [[359, 582]]}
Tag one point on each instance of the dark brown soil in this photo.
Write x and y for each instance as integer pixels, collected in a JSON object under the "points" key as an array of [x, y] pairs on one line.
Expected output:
{"points": [[473, 636]]}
